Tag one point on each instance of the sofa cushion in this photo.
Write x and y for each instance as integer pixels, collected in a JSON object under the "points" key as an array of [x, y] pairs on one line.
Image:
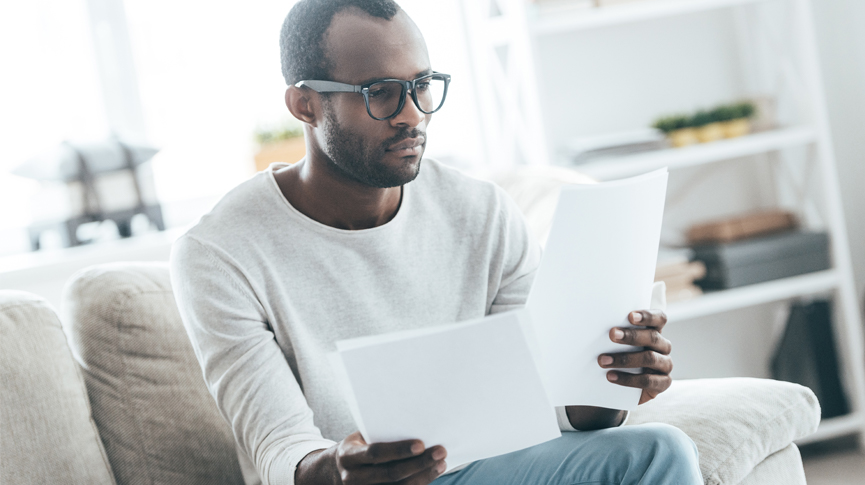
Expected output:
{"points": [[48, 435], [735, 422], [154, 412], [782, 468]]}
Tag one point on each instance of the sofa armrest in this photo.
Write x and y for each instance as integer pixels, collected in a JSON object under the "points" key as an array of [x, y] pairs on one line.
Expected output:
{"points": [[735, 422], [48, 435]]}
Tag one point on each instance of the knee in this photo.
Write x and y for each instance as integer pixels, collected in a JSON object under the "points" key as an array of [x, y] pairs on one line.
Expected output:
{"points": [[670, 446], [668, 438]]}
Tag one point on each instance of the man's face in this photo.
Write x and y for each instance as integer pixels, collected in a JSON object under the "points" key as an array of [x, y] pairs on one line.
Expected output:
{"points": [[362, 49]]}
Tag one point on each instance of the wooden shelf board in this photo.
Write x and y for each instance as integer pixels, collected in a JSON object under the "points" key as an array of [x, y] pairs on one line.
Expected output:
{"points": [[562, 21], [835, 427], [751, 295], [764, 142]]}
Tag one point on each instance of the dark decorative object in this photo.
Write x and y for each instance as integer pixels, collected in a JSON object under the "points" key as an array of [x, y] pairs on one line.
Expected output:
{"points": [[807, 355], [102, 181]]}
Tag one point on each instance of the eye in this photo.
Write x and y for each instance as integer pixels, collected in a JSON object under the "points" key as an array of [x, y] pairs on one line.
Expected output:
{"points": [[422, 86]]}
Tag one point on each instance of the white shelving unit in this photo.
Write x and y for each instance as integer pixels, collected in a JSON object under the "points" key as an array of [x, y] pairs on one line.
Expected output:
{"points": [[701, 154], [743, 297], [506, 39]]}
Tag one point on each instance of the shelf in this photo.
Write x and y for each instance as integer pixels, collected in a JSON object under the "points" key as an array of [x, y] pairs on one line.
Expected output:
{"points": [[835, 427], [560, 21], [703, 153], [751, 295]]}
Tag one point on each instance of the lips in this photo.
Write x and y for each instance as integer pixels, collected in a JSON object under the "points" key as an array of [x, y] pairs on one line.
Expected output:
{"points": [[409, 144]]}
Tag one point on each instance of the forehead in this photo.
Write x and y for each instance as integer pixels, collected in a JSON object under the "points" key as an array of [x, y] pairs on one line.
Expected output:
{"points": [[362, 48]]}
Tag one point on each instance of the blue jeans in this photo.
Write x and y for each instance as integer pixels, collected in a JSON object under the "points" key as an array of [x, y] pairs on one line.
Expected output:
{"points": [[649, 454]]}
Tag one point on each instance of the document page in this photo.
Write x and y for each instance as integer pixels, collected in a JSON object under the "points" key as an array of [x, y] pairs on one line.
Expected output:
{"points": [[471, 387], [598, 265]]}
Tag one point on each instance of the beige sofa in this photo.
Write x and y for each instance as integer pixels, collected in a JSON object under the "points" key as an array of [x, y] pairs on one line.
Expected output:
{"points": [[114, 394]]}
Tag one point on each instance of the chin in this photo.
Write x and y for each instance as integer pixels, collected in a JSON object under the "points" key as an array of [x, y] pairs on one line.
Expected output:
{"points": [[408, 172]]}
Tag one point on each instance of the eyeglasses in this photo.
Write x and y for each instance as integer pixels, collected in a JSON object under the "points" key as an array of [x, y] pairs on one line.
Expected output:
{"points": [[386, 98]]}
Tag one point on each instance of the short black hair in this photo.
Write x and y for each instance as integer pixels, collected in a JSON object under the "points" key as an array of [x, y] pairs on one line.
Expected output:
{"points": [[301, 42]]}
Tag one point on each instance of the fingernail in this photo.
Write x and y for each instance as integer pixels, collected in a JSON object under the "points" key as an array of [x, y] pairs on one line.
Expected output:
{"points": [[416, 449], [438, 454], [618, 334], [440, 468], [606, 360], [612, 377], [638, 317]]}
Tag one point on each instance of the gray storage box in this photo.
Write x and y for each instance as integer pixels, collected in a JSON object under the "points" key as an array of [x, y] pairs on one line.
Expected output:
{"points": [[740, 263]]}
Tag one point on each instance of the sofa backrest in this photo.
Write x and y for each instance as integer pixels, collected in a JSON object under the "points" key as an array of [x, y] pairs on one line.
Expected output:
{"points": [[47, 435], [155, 415]]}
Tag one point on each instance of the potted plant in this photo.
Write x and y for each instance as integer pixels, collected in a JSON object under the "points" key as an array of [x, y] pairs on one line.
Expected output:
{"points": [[282, 143], [724, 121], [708, 128], [738, 119], [678, 130]]}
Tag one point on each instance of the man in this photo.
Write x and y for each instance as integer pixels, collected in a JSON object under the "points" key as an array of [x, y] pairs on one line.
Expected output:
{"points": [[364, 237]]}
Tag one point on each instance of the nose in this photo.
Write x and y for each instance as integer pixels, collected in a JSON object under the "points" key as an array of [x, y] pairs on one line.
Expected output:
{"points": [[409, 115]]}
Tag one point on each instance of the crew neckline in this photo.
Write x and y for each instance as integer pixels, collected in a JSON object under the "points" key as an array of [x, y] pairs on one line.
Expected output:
{"points": [[312, 223]]}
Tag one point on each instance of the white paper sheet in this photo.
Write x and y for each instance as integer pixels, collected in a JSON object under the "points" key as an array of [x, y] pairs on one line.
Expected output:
{"points": [[598, 265], [472, 387]]}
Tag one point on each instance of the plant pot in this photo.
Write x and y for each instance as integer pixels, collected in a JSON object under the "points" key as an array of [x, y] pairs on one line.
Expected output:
{"points": [[736, 128], [287, 151], [683, 137], [710, 132]]}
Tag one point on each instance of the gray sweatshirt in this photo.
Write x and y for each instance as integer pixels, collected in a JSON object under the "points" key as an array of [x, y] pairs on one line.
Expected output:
{"points": [[265, 292]]}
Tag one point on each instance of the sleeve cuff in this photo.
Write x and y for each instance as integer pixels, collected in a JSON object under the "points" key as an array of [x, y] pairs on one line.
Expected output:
{"points": [[627, 415], [562, 418], [565, 424], [284, 475]]}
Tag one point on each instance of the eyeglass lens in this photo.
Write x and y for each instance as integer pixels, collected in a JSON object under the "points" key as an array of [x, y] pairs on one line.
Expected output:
{"points": [[384, 97]]}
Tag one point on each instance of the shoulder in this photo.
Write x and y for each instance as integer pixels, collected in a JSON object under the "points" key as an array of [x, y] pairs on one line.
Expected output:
{"points": [[239, 215], [244, 205]]}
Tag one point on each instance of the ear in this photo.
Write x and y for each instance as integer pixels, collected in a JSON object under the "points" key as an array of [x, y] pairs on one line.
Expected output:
{"points": [[302, 104]]}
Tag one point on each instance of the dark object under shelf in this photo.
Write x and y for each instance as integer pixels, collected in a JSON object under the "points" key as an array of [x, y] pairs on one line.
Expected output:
{"points": [[749, 261], [807, 355]]}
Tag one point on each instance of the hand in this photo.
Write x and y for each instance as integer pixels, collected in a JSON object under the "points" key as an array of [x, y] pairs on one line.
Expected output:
{"points": [[655, 359], [354, 462]]}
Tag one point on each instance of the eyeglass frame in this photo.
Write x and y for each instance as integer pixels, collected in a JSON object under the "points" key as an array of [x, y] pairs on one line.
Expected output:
{"points": [[320, 86]]}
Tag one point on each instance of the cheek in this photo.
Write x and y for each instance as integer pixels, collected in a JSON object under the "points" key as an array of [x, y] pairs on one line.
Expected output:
{"points": [[348, 109]]}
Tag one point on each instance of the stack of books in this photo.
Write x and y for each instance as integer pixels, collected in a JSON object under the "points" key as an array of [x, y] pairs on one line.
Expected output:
{"points": [[755, 248], [679, 274]]}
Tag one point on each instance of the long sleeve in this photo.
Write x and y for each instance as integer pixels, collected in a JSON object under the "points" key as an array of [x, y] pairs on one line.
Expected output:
{"points": [[521, 255], [243, 366]]}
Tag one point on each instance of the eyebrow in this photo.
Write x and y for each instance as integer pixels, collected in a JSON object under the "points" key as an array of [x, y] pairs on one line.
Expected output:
{"points": [[423, 73]]}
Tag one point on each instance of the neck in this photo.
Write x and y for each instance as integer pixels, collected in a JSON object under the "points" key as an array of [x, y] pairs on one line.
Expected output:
{"points": [[320, 192]]}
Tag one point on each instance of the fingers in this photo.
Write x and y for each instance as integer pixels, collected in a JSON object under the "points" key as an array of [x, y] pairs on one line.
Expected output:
{"points": [[642, 337], [360, 453], [652, 384], [648, 318], [403, 462], [427, 466], [648, 359], [425, 477]]}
